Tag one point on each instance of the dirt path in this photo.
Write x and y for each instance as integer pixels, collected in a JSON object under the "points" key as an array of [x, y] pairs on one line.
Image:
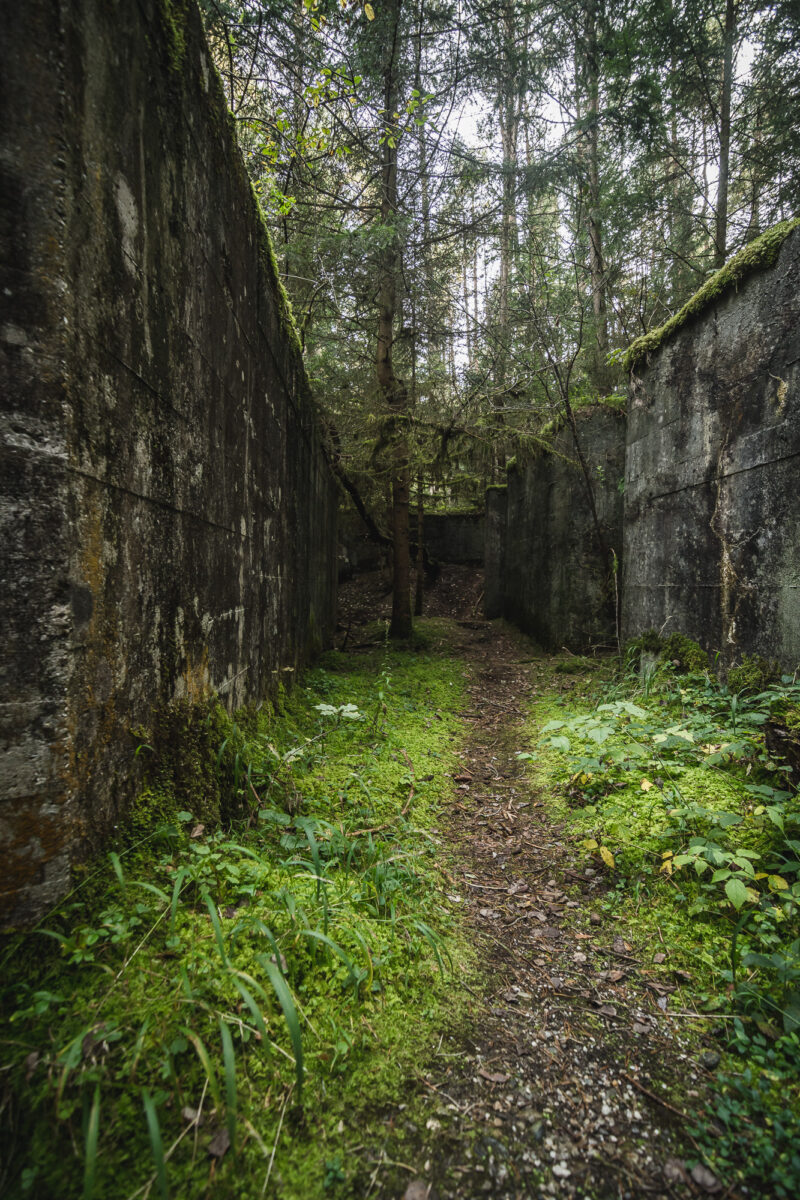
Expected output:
{"points": [[561, 1088]]}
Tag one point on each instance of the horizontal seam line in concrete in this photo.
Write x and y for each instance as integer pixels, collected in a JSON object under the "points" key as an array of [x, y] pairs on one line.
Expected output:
{"points": [[182, 512], [304, 419], [138, 375], [60, 460], [688, 487], [654, 587]]}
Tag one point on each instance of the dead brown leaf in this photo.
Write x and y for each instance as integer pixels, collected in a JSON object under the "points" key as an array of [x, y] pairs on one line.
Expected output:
{"points": [[493, 1076]]}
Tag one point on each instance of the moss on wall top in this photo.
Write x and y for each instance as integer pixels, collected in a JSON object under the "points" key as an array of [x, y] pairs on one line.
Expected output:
{"points": [[583, 409], [756, 256]]}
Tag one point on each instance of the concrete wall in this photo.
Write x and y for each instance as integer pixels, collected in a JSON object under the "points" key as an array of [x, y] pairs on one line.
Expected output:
{"points": [[556, 584], [449, 538], [712, 503], [494, 557], [167, 518], [454, 537], [357, 551]]}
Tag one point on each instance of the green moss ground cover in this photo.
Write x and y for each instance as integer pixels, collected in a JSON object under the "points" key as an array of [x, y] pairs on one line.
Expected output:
{"points": [[236, 1005], [667, 782]]}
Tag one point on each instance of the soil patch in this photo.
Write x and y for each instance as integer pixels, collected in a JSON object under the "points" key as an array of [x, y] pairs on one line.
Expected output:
{"points": [[566, 1084]]}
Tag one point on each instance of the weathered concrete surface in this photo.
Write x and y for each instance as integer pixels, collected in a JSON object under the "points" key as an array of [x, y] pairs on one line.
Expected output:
{"points": [[454, 537], [494, 554], [712, 505], [168, 519], [448, 537], [357, 550], [557, 582]]}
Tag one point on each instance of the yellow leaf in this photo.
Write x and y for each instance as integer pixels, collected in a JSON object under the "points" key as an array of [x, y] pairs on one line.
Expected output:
{"points": [[607, 856], [370, 11], [646, 785], [666, 854], [666, 866], [777, 883], [589, 844]]}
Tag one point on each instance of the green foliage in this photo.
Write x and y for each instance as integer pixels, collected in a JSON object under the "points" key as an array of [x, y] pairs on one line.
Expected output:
{"points": [[217, 977], [753, 674], [676, 652], [671, 784], [687, 656], [650, 641], [750, 1120]]}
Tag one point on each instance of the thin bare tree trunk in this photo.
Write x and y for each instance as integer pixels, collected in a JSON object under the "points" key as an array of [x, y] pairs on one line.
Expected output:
{"points": [[588, 91], [392, 389], [418, 595], [721, 221]]}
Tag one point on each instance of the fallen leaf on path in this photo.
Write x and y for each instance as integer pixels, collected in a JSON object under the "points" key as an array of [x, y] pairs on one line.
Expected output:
{"points": [[417, 1190], [493, 1076], [611, 976]]}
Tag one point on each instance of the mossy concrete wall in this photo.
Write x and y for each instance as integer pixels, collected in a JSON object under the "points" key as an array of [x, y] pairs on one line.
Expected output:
{"points": [[494, 553], [454, 537], [712, 503], [358, 552], [168, 517], [448, 537], [557, 584]]}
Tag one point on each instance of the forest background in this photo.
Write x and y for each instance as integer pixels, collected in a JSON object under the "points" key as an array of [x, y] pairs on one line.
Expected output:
{"points": [[477, 205]]}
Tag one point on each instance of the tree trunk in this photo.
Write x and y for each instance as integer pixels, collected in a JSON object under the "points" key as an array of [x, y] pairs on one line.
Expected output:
{"points": [[510, 105], [721, 222], [588, 82], [418, 595], [392, 389]]}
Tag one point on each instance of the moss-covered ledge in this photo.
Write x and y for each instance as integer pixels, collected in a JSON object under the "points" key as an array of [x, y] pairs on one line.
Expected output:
{"points": [[757, 256]]}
